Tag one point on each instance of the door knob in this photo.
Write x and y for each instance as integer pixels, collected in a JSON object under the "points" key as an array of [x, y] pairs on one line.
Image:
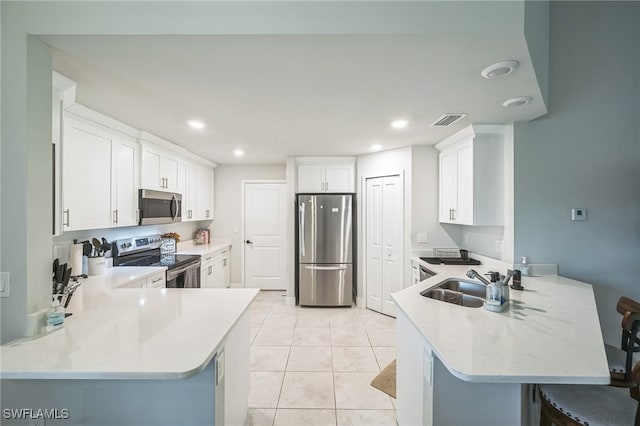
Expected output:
{"points": [[249, 242]]}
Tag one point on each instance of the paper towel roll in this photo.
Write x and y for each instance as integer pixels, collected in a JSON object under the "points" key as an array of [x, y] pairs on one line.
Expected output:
{"points": [[75, 259]]}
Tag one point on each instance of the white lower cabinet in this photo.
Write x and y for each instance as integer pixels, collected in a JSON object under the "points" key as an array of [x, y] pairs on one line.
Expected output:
{"points": [[157, 280], [215, 269]]}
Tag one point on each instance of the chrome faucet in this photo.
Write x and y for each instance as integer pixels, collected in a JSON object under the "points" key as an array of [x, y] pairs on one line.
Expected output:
{"points": [[471, 273]]}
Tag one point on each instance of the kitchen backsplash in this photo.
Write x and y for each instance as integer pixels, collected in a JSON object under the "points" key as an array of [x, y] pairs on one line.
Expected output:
{"points": [[185, 229]]}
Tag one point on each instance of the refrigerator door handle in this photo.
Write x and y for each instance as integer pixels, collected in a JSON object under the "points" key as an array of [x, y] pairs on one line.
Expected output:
{"points": [[302, 241], [327, 268]]}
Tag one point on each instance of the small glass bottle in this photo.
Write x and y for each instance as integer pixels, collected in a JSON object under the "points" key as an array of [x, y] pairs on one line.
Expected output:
{"points": [[524, 266], [55, 315]]}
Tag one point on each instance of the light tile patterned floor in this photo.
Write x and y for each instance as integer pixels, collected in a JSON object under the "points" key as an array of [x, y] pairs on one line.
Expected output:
{"points": [[314, 366]]}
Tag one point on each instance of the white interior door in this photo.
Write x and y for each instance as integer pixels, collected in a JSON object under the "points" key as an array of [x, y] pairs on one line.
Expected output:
{"points": [[264, 230], [384, 219], [374, 244]]}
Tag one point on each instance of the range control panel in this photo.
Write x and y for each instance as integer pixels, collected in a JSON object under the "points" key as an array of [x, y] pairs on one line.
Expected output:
{"points": [[138, 243]]}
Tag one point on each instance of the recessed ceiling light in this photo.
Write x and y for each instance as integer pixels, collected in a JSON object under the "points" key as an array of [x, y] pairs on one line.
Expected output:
{"points": [[376, 147], [238, 152], [400, 123], [196, 124], [516, 102], [500, 69]]}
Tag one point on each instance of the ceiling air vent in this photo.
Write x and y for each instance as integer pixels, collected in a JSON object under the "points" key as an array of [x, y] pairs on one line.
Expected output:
{"points": [[447, 120]]}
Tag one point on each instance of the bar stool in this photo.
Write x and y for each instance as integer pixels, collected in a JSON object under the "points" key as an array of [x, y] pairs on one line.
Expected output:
{"points": [[591, 405], [623, 358]]}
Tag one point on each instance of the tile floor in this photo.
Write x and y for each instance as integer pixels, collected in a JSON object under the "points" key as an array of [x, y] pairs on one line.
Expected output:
{"points": [[314, 366]]}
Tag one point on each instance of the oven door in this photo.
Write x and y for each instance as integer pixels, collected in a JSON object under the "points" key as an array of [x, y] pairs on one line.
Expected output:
{"points": [[185, 276], [158, 207]]}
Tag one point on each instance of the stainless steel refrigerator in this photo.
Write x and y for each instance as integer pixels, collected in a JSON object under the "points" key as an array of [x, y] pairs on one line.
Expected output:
{"points": [[325, 249]]}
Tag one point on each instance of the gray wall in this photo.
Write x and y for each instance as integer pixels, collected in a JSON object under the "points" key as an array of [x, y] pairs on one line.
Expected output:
{"points": [[228, 202], [586, 153]]}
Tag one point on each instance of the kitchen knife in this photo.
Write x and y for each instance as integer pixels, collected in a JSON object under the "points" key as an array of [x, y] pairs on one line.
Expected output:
{"points": [[106, 245], [56, 265], [86, 248], [65, 280], [62, 270]]}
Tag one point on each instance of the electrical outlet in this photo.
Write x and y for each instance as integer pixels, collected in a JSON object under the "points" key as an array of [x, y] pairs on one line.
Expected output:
{"points": [[500, 246], [5, 284], [235, 229], [579, 214], [422, 237]]}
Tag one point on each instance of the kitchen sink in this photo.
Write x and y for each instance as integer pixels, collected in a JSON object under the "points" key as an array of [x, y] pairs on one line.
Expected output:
{"points": [[467, 287], [458, 292]]}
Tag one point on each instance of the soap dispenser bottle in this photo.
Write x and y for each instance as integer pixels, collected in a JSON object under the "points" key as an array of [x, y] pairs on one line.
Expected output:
{"points": [[524, 267], [55, 315], [495, 297]]}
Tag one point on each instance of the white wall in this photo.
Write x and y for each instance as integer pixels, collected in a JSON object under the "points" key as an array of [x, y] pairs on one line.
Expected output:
{"points": [[586, 154], [397, 161], [227, 207], [424, 209]]}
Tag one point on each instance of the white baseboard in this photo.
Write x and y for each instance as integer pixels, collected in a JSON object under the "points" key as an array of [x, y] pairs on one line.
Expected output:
{"points": [[360, 303], [290, 301]]}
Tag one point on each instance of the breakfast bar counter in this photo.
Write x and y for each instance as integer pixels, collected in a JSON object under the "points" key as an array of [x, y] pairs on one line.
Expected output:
{"points": [[480, 359]]}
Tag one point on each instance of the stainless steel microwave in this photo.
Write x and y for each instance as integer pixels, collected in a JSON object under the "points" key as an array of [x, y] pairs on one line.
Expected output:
{"points": [[158, 207]]}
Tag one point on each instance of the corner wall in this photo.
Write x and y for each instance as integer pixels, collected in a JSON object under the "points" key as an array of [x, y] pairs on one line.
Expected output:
{"points": [[586, 154], [227, 203]]}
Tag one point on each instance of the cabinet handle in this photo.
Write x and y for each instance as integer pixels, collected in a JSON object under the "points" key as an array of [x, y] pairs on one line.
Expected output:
{"points": [[166, 183], [68, 216], [454, 214], [210, 270], [209, 258], [161, 182], [137, 215], [326, 186], [224, 263], [115, 216], [190, 214], [207, 213], [157, 279]]}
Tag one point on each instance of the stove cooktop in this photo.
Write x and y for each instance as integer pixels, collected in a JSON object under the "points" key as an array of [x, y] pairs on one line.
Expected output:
{"points": [[171, 261]]}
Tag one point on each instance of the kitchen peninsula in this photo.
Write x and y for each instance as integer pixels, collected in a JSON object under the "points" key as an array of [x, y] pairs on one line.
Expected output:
{"points": [[469, 366], [137, 356]]}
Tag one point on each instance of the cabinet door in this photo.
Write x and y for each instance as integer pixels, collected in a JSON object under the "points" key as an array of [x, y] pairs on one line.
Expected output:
{"points": [[150, 177], [86, 177], [448, 186], [157, 281], [141, 283], [169, 166], [205, 193], [190, 197], [124, 182], [310, 178], [226, 264], [464, 170], [219, 273], [207, 275], [339, 178]]}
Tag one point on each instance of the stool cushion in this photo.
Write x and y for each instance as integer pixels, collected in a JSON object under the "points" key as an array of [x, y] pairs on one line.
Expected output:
{"points": [[592, 405], [617, 358]]}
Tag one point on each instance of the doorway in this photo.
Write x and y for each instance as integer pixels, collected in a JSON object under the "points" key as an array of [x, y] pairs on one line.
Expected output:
{"points": [[384, 249], [264, 236]]}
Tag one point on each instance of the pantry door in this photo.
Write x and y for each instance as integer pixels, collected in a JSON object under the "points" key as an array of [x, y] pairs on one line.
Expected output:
{"points": [[384, 219], [264, 235]]}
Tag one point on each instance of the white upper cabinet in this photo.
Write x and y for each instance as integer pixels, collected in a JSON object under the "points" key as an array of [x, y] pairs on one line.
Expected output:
{"points": [[472, 176], [159, 169], [86, 176], [326, 175], [205, 193], [99, 177], [124, 181], [197, 200]]}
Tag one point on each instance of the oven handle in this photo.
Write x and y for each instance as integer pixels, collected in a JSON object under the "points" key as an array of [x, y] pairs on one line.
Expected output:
{"points": [[171, 274]]}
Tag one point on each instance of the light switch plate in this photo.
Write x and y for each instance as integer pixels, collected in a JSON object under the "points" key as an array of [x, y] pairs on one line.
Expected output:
{"points": [[422, 237], [5, 284], [578, 214]]}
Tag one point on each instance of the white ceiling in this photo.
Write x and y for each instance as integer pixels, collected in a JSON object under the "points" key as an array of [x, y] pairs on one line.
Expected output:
{"points": [[275, 96]]}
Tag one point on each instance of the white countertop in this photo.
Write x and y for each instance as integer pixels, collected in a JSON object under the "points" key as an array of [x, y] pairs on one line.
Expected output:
{"points": [[130, 333], [549, 334], [190, 247]]}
